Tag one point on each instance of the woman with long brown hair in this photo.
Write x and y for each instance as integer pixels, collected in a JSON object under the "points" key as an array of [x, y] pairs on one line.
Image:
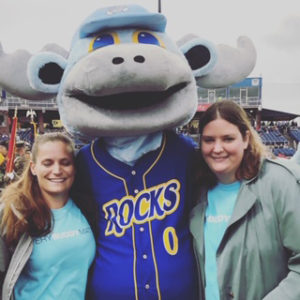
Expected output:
{"points": [[246, 221], [46, 244]]}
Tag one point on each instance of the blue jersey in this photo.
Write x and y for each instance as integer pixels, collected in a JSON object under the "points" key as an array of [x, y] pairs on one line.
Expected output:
{"points": [[144, 248]]}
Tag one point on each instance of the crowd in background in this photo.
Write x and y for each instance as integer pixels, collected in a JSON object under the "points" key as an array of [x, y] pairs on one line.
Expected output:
{"points": [[286, 147], [21, 158]]}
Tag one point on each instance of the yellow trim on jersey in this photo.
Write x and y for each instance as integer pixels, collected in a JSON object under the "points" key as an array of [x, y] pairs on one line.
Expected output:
{"points": [[170, 231], [131, 212], [133, 233], [134, 264], [155, 263], [155, 162], [107, 171], [149, 222]]}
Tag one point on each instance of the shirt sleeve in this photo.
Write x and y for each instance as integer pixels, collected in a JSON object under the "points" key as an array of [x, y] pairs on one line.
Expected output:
{"points": [[287, 206], [4, 261]]}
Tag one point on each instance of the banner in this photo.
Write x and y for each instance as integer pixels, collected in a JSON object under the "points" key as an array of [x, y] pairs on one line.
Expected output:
{"points": [[12, 145], [57, 123], [33, 132]]}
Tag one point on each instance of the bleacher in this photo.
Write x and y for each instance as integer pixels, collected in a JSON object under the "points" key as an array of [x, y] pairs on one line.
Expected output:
{"points": [[284, 151], [273, 137], [295, 133], [281, 137], [25, 135]]}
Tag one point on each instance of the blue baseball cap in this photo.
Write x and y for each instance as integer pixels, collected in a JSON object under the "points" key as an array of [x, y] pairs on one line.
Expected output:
{"points": [[123, 16]]}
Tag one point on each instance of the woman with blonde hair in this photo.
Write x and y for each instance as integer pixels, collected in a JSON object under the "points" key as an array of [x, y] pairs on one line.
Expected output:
{"points": [[246, 220], [46, 244]]}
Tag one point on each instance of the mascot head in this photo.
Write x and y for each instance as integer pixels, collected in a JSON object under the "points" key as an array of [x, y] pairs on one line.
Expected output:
{"points": [[124, 76]]}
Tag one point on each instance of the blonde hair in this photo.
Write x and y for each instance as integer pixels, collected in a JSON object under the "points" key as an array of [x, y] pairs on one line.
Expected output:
{"points": [[25, 210]]}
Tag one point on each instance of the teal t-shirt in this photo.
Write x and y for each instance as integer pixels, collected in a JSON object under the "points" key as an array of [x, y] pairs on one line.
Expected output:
{"points": [[58, 266], [221, 202]]}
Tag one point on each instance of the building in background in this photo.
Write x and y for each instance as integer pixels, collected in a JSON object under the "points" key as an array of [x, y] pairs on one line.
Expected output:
{"points": [[247, 93], [44, 113]]}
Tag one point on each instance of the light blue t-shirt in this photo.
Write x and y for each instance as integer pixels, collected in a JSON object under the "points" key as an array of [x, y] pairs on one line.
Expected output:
{"points": [[58, 266], [221, 202]]}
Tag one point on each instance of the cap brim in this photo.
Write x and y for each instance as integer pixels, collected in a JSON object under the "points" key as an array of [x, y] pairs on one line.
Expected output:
{"points": [[148, 21]]}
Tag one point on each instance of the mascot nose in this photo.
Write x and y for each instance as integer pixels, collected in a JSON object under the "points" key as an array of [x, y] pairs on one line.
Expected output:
{"points": [[119, 60], [139, 59]]}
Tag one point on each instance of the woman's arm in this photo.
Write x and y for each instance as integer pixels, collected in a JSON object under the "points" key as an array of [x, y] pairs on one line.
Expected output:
{"points": [[4, 261], [287, 206]]}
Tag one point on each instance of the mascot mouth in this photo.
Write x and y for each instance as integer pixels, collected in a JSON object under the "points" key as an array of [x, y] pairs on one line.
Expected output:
{"points": [[128, 100]]}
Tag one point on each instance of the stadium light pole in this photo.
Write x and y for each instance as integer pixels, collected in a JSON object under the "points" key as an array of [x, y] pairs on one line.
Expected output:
{"points": [[258, 117], [159, 6]]}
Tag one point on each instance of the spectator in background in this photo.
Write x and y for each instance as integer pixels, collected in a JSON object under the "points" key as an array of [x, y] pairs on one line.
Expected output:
{"points": [[28, 154], [3, 157], [20, 162], [3, 151], [20, 158], [296, 156]]}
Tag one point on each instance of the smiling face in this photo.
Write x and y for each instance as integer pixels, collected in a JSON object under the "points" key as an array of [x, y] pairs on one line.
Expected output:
{"points": [[55, 171], [222, 146]]}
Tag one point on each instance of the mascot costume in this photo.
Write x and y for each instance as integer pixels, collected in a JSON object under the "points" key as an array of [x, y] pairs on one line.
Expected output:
{"points": [[126, 86]]}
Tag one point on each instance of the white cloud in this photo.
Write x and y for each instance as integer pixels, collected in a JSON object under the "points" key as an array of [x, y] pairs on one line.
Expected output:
{"points": [[274, 26], [287, 37]]}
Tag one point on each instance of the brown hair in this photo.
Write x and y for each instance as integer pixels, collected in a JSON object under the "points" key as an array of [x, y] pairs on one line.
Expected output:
{"points": [[236, 115], [24, 208]]}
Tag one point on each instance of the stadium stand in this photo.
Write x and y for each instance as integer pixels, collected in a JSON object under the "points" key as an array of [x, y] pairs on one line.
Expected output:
{"points": [[276, 128], [288, 152], [295, 133], [273, 137], [281, 137]]}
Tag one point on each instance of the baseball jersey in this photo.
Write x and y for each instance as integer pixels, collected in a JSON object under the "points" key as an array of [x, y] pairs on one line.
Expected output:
{"points": [[144, 248]]}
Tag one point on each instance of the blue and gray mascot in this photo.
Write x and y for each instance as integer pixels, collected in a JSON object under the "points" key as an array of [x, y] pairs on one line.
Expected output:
{"points": [[125, 85]]}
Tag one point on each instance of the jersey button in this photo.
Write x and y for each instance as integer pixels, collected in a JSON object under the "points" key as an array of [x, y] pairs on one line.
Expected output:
{"points": [[145, 256], [133, 172], [147, 286], [231, 295], [142, 229], [136, 191]]}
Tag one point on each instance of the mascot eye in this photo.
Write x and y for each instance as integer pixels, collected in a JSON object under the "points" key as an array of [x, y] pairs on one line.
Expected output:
{"points": [[103, 40], [143, 37]]}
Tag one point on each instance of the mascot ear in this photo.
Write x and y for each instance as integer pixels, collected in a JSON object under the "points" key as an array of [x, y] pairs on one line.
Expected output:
{"points": [[45, 71], [200, 54]]}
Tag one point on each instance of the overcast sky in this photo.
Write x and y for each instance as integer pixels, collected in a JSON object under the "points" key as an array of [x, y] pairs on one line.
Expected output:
{"points": [[273, 25]]}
